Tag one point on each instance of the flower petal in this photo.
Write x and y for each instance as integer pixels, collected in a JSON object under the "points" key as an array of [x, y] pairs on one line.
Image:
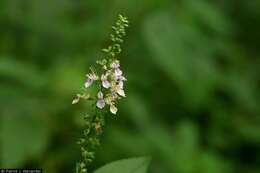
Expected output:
{"points": [[88, 82], [113, 109], [101, 103], [75, 100], [121, 92], [105, 84], [100, 95], [118, 72], [121, 84]]}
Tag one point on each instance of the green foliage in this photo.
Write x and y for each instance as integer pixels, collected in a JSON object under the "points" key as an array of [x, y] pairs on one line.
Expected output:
{"points": [[28, 132], [193, 83], [132, 165]]}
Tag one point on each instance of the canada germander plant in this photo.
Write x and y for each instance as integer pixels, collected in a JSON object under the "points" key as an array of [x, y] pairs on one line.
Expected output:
{"points": [[107, 78]]}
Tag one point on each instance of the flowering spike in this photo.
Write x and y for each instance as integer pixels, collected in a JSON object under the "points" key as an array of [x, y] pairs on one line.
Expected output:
{"points": [[108, 76]]}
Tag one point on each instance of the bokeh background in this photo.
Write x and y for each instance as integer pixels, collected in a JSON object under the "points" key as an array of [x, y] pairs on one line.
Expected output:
{"points": [[193, 69]]}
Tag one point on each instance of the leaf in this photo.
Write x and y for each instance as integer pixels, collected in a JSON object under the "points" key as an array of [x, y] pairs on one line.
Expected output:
{"points": [[132, 165]]}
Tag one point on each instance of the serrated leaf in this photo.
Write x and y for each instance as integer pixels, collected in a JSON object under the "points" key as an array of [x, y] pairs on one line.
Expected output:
{"points": [[132, 165]]}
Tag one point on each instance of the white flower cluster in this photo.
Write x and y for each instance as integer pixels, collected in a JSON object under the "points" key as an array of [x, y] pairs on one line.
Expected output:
{"points": [[111, 84]]}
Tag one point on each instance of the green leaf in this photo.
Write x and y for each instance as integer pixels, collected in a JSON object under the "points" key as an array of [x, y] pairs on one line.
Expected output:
{"points": [[132, 165]]}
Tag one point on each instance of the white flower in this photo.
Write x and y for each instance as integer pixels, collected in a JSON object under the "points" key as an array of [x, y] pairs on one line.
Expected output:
{"points": [[113, 109], [105, 82], [120, 80], [118, 75], [110, 100], [100, 102], [115, 66], [121, 84], [117, 89], [121, 92], [90, 79], [118, 72], [112, 82]]}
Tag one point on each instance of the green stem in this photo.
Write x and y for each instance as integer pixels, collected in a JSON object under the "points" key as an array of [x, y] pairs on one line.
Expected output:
{"points": [[90, 140]]}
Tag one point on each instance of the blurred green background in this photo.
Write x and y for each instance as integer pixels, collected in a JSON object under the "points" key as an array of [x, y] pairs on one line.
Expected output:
{"points": [[193, 69]]}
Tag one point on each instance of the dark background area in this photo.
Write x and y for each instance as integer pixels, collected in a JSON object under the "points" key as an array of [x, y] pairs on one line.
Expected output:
{"points": [[193, 69]]}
